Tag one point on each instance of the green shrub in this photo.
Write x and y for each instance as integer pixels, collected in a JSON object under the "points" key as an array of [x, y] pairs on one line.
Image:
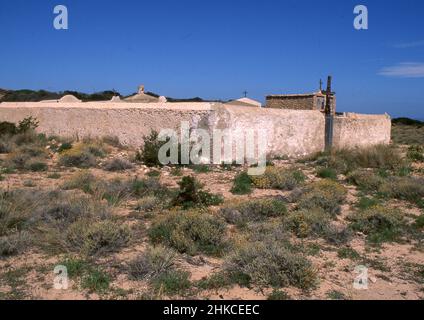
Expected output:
{"points": [[154, 262], [380, 224], [172, 282], [95, 238], [278, 178], [118, 164], [191, 195], [83, 155], [366, 180], [75, 267], [190, 232], [201, 168], [79, 158], [416, 153], [419, 222], [96, 281], [242, 184], [215, 281], [253, 210], [28, 124], [325, 194], [36, 165], [149, 153], [327, 173], [366, 202], [269, 264], [8, 128], [348, 253], [336, 295], [306, 223], [278, 295], [64, 146]]}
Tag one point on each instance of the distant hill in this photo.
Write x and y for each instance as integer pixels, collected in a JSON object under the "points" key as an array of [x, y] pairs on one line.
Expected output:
{"points": [[169, 99], [408, 122], [26, 95]]}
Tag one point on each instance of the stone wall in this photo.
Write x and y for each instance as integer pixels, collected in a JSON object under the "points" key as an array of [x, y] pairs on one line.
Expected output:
{"points": [[303, 102], [292, 133], [128, 122], [360, 130]]}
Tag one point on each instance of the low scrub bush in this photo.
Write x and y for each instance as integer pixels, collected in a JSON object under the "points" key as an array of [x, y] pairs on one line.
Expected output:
{"points": [[112, 141], [14, 243], [27, 157], [115, 190], [306, 223], [149, 204], [118, 164], [253, 210], [404, 188], [347, 160], [154, 262], [327, 173], [278, 178], [366, 203], [8, 128], [90, 238], [348, 253], [191, 195], [278, 295], [190, 232], [325, 194], [82, 180], [96, 280], [83, 155], [269, 264], [416, 153], [149, 153], [379, 223], [366, 180], [172, 282], [242, 184]]}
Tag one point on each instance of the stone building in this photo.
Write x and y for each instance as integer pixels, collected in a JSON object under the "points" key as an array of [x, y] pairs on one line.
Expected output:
{"points": [[244, 102], [307, 101], [142, 97]]}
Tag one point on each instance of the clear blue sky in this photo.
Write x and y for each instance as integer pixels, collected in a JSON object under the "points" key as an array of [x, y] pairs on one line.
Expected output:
{"points": [[217, 49]]}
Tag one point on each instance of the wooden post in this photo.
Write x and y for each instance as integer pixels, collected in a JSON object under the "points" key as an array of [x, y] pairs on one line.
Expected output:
{"points": [[329, 118]]}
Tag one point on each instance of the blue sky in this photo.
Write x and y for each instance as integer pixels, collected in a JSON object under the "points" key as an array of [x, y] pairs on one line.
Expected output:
{"points": [[217, 49]]}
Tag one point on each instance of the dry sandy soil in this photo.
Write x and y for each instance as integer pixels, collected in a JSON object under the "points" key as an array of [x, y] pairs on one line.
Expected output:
{"points": [[395, 269]]}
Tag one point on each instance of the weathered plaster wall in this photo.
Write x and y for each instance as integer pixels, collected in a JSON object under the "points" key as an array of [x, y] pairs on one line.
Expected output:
{"points": [[292, 133], [360, 130], [129, 122]]}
